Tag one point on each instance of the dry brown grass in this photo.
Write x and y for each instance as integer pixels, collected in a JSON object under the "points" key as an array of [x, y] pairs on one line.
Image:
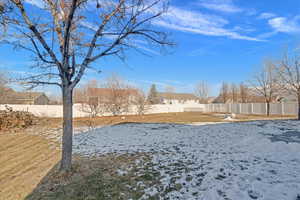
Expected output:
{"points": [[183, 117], [97, 178], [24, 161], [264, 117]]}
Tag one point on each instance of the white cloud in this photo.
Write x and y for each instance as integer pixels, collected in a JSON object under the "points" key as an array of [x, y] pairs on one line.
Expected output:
{"points": [[226, 6], [244, 29], [37, 3], [284, 25], [267, 34], [266, 15], [189, 21], [196, 22], [146, 49], [89, 25]]}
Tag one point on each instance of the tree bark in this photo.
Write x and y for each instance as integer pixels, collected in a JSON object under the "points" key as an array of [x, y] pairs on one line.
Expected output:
{"points": [[299, 106], [67, 138], [268, 108]]}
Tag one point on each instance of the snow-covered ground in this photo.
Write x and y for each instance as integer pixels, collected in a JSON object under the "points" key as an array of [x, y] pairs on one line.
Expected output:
{"points": [[237, 161]]}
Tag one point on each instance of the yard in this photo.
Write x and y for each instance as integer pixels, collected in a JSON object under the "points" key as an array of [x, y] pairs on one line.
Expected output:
{"points": [[161, 156]]}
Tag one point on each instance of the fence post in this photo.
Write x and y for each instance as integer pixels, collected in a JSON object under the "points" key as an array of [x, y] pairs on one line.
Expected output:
{"points": [[266, 107], [282, 108], [252, 109]]}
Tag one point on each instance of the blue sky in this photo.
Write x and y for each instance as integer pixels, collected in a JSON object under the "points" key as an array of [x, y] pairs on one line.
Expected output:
{"points": [[217, 40]]}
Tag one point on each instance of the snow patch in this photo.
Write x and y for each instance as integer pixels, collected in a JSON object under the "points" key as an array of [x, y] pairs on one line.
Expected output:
{"points": [[217, 161]]}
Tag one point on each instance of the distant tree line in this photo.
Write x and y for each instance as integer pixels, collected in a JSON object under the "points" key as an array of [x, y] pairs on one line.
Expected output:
{"points": [[275, 80], [114, 96]]}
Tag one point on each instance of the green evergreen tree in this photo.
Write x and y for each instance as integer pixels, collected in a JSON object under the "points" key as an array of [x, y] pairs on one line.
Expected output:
{"points": [[153, 95]]}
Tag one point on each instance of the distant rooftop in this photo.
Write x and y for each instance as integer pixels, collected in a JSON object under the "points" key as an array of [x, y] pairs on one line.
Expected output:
{"points": [[178, 96]]}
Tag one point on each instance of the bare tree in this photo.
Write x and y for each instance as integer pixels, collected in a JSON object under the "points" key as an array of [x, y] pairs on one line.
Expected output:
{"points": [[5, 91], [118, 97], [234, 93], [3, 80], [266, 83], [82, 94], [141, 103], [65, 42], [3, 83], [89, 99], [202, 91], [4, 10], [93, 107], [289, 71], [244, 93], [224, 92]]}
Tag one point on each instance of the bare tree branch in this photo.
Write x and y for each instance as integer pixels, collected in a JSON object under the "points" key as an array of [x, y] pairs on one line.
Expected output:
{"points": [[266, 83], [59, 40], [289, 72]]}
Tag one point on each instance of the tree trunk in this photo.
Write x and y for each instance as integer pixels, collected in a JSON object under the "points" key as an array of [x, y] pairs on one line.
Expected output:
{"points": [[268, 108], [299, 106], [66, 160]]}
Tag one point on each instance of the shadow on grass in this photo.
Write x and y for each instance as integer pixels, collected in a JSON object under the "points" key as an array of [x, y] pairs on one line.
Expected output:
{"points": [[96, 179]]}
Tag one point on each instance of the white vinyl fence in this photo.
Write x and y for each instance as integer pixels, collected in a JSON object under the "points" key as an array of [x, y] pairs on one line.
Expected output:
{"points": [[57, 111], [253, 108], [242, 108]]}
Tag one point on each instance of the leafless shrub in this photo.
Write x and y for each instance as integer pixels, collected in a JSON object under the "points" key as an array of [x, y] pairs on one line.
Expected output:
{"points": [[119, 95], [3, 80], [93, 107], [224, 92], [234, 93], [202, 91], [244, 93], [141, 103], [89, 99]]}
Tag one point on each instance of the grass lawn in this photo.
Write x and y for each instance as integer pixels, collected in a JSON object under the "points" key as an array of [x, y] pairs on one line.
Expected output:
{"points": [[182, 118]]}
